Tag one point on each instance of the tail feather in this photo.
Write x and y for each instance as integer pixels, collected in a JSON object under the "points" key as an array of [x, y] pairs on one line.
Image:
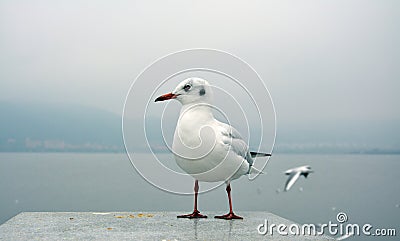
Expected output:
{"points": [[258, 154]]}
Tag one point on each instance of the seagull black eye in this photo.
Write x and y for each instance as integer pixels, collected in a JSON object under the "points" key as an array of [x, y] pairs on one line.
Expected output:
{"points": [[187, 87]]}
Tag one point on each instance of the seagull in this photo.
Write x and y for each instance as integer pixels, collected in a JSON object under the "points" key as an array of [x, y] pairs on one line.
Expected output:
{"points": [[295, 173], [205, 148]]}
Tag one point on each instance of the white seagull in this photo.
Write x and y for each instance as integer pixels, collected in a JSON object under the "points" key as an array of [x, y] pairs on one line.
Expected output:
{"points": [[205, 148], [295, 173]]}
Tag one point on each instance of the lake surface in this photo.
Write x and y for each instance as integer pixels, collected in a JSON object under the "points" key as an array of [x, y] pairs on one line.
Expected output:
{"points": [[365, 187]]}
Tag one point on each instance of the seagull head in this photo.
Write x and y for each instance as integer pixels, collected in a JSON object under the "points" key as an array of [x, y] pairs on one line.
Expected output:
{"points": [[191, 90]]}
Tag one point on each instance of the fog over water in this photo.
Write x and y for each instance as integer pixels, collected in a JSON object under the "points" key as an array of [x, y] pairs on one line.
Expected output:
{"points": [[331, 67]]}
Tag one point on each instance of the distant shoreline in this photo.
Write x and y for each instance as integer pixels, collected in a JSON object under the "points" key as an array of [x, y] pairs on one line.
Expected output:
{"points": [[275, 152]]}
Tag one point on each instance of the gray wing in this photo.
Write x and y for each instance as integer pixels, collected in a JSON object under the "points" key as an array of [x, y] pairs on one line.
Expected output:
{"points": [[291, 180], [233, 138]]}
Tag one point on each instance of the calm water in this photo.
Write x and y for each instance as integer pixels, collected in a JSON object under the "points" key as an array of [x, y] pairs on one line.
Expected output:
{"points": [[365, 187]]}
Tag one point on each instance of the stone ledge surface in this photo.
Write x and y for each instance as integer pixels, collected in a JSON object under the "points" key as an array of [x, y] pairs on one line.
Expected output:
{"points": [[140, 226]]}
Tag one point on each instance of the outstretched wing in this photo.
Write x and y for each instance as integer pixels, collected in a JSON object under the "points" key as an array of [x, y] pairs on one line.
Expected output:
{"points": [[291, 180]]}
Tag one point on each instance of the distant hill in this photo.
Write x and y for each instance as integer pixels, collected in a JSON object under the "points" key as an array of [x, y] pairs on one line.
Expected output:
{"points": [[39, 127], [53, 127]]}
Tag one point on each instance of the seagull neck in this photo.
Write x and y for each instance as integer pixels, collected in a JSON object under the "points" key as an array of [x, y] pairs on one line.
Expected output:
{"points": [[196, 108]]}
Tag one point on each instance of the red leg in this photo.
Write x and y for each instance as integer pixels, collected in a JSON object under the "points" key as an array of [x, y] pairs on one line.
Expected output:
{"points": [[230, 215], [196, 213]]}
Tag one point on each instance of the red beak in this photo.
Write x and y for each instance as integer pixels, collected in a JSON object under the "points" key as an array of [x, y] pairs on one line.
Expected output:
{"points": [[165, 97]]}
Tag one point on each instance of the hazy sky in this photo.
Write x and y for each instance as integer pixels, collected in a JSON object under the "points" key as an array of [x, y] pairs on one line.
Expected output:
{"points": [[321, 60]]}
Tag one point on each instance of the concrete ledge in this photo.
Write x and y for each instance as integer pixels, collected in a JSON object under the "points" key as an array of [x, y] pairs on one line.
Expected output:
{"points": [[139, 226]]}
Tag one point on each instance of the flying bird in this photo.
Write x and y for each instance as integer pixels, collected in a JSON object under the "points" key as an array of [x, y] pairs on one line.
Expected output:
{"points": [[295, 173], [205, 148]]}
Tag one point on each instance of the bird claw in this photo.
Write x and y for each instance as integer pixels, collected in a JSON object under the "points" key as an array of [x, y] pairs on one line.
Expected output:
{"points": [[229, 216], [195, 214]]}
